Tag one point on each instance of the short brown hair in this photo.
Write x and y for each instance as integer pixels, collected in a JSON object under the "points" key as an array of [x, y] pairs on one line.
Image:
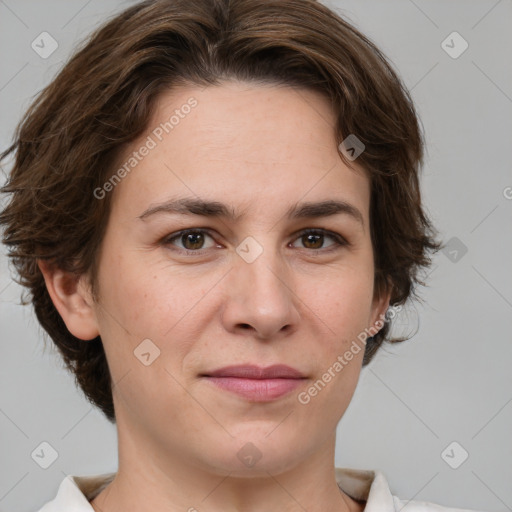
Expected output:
{"points": [[103, 97]]}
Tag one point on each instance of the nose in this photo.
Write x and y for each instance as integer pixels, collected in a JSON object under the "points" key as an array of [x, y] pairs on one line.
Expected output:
{"points": [[260, 297]]}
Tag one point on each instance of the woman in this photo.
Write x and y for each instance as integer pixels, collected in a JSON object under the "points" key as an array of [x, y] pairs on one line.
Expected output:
{"points": [[213, 207]]}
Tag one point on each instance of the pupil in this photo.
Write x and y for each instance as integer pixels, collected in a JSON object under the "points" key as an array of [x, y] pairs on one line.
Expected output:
{"points": [[315, 243], [196, 240]]}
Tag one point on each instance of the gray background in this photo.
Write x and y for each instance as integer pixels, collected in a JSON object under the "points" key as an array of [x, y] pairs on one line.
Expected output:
{"points": [[451, 383]]}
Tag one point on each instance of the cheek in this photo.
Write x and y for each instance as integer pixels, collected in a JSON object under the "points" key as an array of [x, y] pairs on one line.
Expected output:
{"points": [[343, 299], [135, 290], [143, 311], [144, 299]]}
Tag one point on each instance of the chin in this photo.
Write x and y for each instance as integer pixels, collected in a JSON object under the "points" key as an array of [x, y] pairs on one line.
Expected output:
{"points": [[256, 454]]}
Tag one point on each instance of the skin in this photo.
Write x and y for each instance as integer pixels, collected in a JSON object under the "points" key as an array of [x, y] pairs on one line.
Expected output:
{"points": [[260, 149]]}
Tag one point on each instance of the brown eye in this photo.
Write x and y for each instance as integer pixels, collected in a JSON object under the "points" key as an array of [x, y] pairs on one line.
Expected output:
{"points": [[313, 241], [315, 238], [191, 240]]}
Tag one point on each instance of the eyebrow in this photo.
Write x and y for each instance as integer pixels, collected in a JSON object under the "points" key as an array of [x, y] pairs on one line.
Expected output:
{"points": [[306, 210]]}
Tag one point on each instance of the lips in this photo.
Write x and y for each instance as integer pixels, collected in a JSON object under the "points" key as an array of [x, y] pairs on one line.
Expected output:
{"points": [[277, 371], [254, 383]]}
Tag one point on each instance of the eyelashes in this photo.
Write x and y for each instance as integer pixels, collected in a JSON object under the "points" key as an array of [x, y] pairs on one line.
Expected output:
{"points": [[339, 241], [198, 236], [181, 235]]}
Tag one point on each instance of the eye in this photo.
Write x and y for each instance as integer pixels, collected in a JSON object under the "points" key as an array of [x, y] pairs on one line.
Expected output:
{"points": [[314, 239], [191, 239]]}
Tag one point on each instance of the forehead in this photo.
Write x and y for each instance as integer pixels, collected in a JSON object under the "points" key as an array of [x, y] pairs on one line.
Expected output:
{"points": [[251, 115], [244, 142]]}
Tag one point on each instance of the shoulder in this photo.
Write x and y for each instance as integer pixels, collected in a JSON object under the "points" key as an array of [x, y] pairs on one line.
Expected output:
{"points": [[75, 492], [373, 488]]}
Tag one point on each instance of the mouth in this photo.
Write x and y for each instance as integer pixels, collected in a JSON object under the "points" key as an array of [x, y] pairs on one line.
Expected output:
{"points": [[255, 383]]}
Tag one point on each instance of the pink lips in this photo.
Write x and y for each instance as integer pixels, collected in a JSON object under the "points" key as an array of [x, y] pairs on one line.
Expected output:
{"points": [[255, 383]]}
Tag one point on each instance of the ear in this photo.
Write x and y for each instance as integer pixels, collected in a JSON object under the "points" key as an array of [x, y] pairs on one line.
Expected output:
{"points": [[380, 306], [72, 298]]}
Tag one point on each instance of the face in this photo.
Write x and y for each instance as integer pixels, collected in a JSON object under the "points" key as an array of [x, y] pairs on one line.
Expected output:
{"points": [[275, 268]]}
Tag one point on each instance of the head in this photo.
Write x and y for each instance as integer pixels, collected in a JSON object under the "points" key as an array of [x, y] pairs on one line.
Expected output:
{"points": [[240, 104]]}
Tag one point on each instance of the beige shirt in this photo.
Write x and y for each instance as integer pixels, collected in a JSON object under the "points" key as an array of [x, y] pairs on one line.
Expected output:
{"points": [[76, 492]]}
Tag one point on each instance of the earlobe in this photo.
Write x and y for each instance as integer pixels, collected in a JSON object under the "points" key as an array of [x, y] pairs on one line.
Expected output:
{"points": [[72, 300]]}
